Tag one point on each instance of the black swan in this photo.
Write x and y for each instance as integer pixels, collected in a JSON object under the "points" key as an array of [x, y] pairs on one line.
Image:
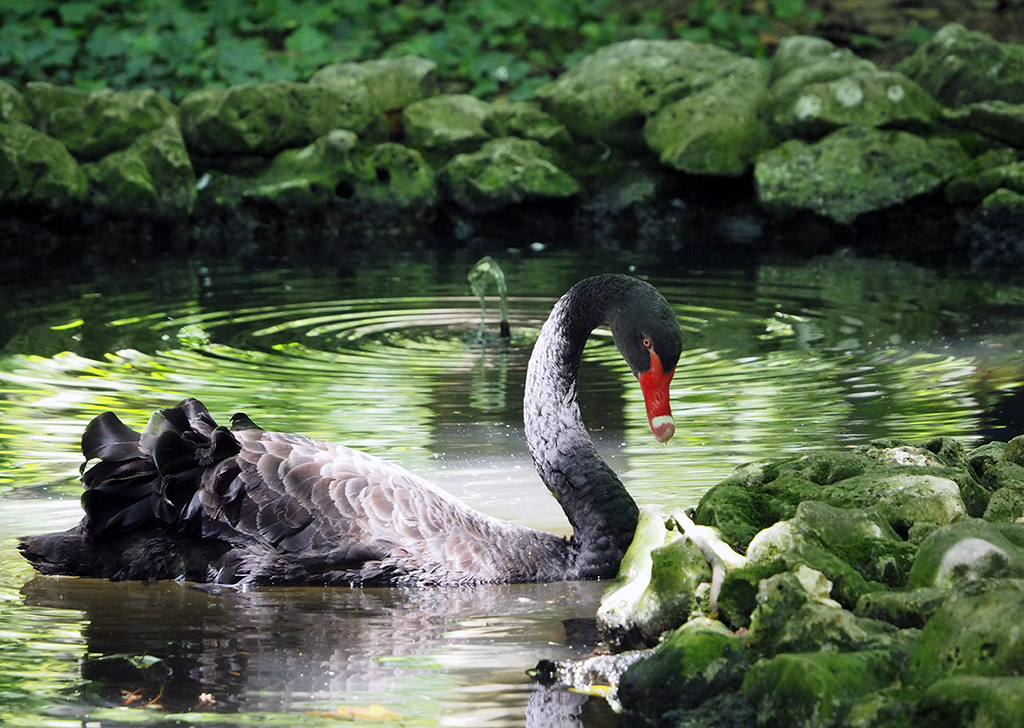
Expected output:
{"points": [[188, 499]]}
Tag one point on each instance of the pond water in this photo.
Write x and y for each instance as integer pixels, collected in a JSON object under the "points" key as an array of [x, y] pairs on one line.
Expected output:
{"points": [[778, 360]]}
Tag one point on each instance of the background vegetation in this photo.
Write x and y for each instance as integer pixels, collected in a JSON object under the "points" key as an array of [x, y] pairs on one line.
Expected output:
{"points": [[486, 47]]}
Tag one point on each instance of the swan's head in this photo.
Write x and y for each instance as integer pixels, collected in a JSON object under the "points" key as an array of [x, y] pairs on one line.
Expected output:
{"points": [[646, 332]]}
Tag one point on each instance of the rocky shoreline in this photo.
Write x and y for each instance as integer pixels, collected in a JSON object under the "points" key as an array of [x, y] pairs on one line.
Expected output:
{"points": [[876, 587], [648, 143]]}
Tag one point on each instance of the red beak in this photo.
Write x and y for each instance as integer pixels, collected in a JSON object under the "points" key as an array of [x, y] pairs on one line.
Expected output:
{"points": [[654, 384]]}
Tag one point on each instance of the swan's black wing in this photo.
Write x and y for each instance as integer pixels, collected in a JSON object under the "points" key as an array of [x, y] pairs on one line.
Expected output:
{"points": [[191, 499]]}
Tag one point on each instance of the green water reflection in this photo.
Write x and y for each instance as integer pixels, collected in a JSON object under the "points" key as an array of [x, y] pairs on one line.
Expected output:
{"points": [[777, 360]]}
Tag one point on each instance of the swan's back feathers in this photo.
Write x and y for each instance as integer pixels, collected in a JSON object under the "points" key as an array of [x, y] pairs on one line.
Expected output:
{"points": [[280, 509]]}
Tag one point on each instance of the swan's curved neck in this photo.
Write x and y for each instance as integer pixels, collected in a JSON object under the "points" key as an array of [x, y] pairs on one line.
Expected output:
{"points": [[600, 510]]}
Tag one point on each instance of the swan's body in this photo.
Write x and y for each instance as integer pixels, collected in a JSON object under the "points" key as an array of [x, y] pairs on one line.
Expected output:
{"points": [[188, 499]]}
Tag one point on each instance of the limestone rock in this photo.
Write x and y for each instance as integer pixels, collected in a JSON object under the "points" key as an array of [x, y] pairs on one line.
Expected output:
{"points": [[904, 609], [717, 131], [983, 701], [610, 93], [995, 119], [971, 634], [803, 59], [969, 550], [694, 663], [506, 172], [44, 98], [442, 126], [853, 171], [983, 175], [867, 98], [108, 121], [653, 590], [907, 485], [959, 66], [266, 118], [153, 178], [38, 171], [391, 83], [803, 690], [13, 108], [336, 169], [527, 120]]}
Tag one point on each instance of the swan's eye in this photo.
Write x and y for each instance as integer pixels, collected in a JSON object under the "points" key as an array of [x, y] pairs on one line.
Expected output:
{"points": [[647, 343]]}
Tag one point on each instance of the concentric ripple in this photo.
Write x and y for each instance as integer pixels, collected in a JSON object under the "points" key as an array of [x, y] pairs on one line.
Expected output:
{"points": [[776, 361], [772, 364]]}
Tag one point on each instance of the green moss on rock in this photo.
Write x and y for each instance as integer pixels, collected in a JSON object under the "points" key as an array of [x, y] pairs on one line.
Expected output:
{"points": [[812, 690], [38, 170], [266, 118], [391, 83], [443, 126], [507, 172], [653, 591], [13, 108], [866, 98], [966, 551], [694, 663], [960, 66], [968, 701], [717, 131], [153, 178], [972, 634], [853, 171], [610, 93], [108, 121]]}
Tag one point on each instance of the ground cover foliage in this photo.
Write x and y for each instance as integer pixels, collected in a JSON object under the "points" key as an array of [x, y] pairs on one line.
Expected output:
{"points": [[485, 47]]}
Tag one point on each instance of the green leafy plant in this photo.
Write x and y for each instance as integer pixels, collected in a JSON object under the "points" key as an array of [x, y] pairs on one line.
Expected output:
{"points": [[486, 47]]}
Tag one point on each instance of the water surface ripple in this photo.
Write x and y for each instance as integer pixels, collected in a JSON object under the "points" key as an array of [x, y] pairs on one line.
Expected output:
{"points": [[777, 360]]}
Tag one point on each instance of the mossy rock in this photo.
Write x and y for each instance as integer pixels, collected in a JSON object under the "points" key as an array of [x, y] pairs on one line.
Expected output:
{"points": [[108, 121], [507, 172], [866, 98], [699, 660], [959, 66], [443, 126], [984, 457], [13, 108], [969, 701], [653, 590], [966, 551], [812, 690], [784, 546], [904, 499], [37, 170], [861, 538], [904, 609], [1007, 504], [391, 83], [718, 131], [803, 59], [853, 171], [402, 181], [908, 486], [336, 170], [43, 98], [972, 183], [997, 120], [610, 93], [972, 634], [153, 178], [266, 118], [1015, 451], [527, 120], [795, 613]]}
